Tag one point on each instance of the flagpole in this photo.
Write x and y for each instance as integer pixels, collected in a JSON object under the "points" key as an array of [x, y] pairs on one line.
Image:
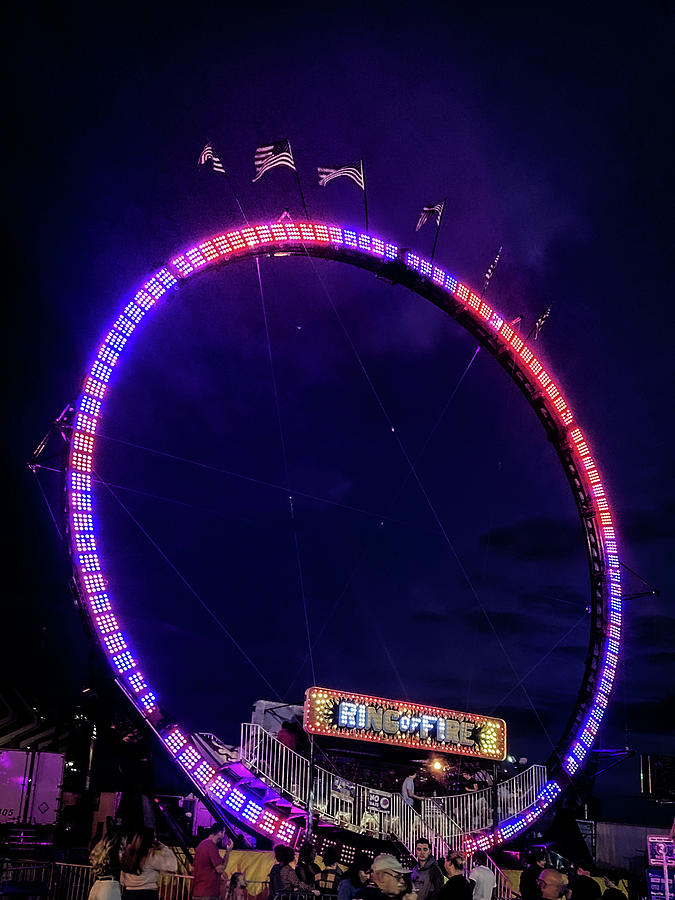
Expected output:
{"points": [[438, 229], [236, 198], [297, 176], [490, 272], [365, 195]]}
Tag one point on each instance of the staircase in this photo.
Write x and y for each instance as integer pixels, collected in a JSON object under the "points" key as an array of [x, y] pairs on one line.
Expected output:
{"points": [[444, 821]]}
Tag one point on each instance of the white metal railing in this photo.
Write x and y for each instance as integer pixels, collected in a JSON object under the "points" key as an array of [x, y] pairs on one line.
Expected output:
{"points": [[72, 881], [458, 814], [280, 766], [444, 820]]}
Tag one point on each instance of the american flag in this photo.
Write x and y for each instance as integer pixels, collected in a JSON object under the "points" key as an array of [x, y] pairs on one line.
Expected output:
{"points": [[207, 155], [272, 155], [540, 321], [353, 171], [428, 211], [490, 272]]}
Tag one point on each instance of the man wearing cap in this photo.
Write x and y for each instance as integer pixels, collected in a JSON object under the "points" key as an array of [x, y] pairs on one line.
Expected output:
{"points": [[387, 880]]}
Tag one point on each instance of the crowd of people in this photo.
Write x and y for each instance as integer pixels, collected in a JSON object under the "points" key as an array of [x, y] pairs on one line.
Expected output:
{"points": [[131, 862], [383, 878], [539, 881], [134, 863]]}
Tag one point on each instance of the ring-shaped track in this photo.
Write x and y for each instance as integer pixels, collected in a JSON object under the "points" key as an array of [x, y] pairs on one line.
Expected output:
{"points": [[495, 335]]}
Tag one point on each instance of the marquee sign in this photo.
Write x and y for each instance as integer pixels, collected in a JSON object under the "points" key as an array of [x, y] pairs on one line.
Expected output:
{"points": [[399, 722]]}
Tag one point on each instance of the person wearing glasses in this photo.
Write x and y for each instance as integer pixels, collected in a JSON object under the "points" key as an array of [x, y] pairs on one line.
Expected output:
{"points": [[551, 884], [388, 880], [458, 886]]}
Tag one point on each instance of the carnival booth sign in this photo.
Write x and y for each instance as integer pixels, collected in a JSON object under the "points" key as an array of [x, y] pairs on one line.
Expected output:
{"points": [[398, 722]]}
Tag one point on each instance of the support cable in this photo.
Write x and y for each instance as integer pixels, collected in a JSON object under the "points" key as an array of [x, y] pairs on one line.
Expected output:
{"points": [[261, 482], [537, 664], [428, 501], [190, 588], [338, 599], [47, 503]]}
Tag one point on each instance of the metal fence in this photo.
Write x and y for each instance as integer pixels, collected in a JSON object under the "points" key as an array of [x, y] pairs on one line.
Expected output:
{"points": [[69, 881]]}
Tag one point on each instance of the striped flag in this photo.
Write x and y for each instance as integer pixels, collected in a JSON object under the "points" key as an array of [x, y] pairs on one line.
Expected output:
{"points": [[272, 155], [353, 171], [490, 272], [427, 212], [540, 321], [207, 155]]}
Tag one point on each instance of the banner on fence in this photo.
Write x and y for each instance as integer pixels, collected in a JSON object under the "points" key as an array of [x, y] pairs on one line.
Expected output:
{"points": [[341, 789], [378, 801]]}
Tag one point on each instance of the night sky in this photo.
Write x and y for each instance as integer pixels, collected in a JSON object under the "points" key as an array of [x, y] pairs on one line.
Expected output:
{"points": [[550, 133]]}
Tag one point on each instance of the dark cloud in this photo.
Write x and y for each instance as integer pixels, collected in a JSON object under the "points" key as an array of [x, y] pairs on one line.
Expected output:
{"points": [[536, 540], [645, 632], [641, 525]]}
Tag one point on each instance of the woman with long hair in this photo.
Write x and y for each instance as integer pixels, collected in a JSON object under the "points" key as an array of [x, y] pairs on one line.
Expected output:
{"points": [[307, 867], [354, 879], [283, 877], [143, 860], [105, 863], [236, 889]]}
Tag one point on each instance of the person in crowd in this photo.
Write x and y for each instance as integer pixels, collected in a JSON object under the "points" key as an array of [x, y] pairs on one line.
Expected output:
{"points": [[143, 860], [409, 891], [483, 878], [458, 886], [283, 878], [208, 866], [583, 886], [551, 884], [408, 791], [355, 877], [427, 878], [286, 736], [330, 876], [307, 867], [387, 880], [613, 893], [530, 875], [236, 889], [105, 863]]}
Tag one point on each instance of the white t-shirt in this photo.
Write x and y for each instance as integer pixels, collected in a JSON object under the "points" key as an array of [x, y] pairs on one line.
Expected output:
{"points": [[484, 880], [407, 790]]}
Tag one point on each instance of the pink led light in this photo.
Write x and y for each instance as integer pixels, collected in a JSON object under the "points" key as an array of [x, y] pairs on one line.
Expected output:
{"points": [[222, 245], [209, 251], [463, 292]]}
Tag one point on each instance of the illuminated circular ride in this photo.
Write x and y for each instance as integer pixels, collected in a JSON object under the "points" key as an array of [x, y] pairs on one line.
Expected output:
{"points": [[228, 786]]}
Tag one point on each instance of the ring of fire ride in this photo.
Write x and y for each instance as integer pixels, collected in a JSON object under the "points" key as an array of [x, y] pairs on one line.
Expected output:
{"points": [[385, 260]]}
